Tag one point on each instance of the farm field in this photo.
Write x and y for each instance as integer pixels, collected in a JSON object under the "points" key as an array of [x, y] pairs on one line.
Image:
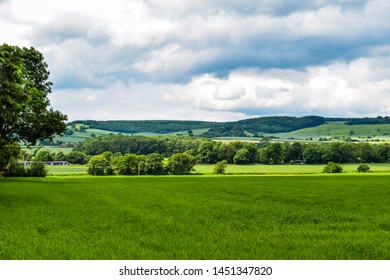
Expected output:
{"points": [[240, 169], [196, 217], [359, 132], [52, 149], [287, 168], [67, 169]]}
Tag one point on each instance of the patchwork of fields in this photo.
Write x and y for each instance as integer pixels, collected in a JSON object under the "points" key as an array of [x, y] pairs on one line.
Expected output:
{"points": [[196, 217]]}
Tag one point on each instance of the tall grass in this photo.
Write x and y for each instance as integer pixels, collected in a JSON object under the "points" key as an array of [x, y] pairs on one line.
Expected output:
{"points": [[195, 217]]}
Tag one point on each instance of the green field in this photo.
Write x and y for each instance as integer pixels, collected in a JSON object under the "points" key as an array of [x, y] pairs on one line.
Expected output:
{"points": [[287, 168], [79, 136], [196, 217], [240, 169], [330, 129], [67, 170], [52, 149]]}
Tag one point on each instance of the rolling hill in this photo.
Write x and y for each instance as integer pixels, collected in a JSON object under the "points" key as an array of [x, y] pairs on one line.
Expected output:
{"points": [[283, 128]]}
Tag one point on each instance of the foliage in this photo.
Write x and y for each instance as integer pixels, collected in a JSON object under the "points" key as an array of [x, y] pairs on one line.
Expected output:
{"points": [[363, 168], [312, 154], [99, 165], [210, 152], [14, 169], [8, 151], [128, 165], [163, 126], [44, 155], [272, 154], [154, 164], [36, 169], [332, 167], [377, 120], [76, 157], [220, 167], [60, 156], [242, 156], [165, 145], [181, 163], [24, 87], [264, 124], [207, 153]]}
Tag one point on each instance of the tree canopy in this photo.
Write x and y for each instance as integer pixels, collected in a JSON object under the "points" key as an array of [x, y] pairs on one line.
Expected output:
{"points": [[25, 114]]}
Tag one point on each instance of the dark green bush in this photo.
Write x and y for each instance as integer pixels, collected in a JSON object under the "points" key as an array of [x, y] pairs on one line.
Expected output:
{"points": [[220, 167], [36, 169], [14, 169], [332, 167], [99, 165], [363, 168]]}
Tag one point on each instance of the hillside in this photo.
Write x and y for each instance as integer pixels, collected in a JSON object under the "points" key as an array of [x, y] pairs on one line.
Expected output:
{"points": [[210, 129], [281, 128], [252, 127], [147, 126], [339, 129]]}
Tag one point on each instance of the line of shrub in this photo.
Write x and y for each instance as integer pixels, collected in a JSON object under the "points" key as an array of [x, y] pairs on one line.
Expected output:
{"points": [[17, 169], [131, 164]]}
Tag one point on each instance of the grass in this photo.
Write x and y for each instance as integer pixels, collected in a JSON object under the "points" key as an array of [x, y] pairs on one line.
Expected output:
{"points": [[52, 149], [67, 169], [196, 217], [240, 169], [360, 132], [287, 168]]}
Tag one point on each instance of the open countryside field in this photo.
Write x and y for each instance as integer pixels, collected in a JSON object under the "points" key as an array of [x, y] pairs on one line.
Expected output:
{"points": [[80, 136], [52, 149], [241, 169], [196, 217], [330, 129], [287, 168]]}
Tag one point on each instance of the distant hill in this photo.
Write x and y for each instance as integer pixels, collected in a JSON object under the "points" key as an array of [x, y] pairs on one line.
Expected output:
{"points": [[263, 125], [153, 126], [213, 129], [377, 120], [253, 127]]}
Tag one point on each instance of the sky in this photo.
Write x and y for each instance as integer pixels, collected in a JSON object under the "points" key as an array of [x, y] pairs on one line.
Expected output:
{"points": [[217, 60]]}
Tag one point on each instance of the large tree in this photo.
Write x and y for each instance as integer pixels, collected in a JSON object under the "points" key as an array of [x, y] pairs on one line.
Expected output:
{"points": [[25, 113]]}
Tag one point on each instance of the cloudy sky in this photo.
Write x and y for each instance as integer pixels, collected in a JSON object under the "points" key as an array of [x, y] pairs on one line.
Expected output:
{"points": [[208, 60]]}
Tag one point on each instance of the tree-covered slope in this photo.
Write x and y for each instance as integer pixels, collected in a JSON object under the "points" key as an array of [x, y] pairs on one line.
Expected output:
{"points": [[238, 128], [153, 126], [265, 124], [242, 128]]}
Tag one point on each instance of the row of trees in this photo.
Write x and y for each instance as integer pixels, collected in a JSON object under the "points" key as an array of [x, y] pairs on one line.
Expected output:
{"points": [[44, 155], [131, 164]]}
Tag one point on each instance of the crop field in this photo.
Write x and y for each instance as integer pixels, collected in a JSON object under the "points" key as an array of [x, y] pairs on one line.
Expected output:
{"points": [[52, 149], [67, 169], [287, 168], [196, 217], [241, 169]]}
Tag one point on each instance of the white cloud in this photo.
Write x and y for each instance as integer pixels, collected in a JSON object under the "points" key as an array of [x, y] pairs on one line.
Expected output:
{"points": [[331, 90], [229, 91], [212, 60]]}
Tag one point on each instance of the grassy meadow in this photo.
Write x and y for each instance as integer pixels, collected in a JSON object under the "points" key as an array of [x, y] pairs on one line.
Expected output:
{"points": [[196, 217], [359, 132], [241, 169], [287, 168]]}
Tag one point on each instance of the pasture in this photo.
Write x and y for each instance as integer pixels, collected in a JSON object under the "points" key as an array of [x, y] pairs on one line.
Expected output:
{"points": [[359, 132], [196, 217], [287, 168], [240, 169]]}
